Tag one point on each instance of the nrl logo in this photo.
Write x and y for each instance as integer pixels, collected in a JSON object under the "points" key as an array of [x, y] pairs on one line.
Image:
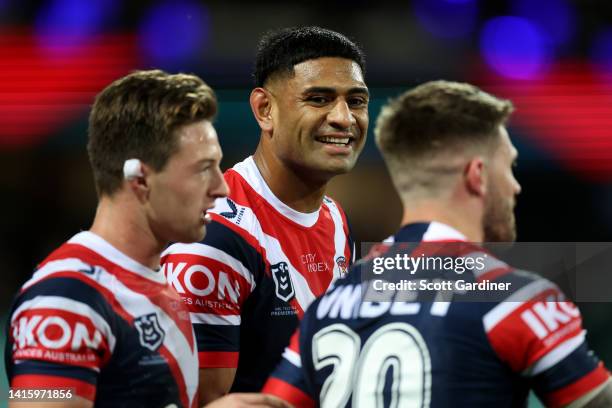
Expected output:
{"points": [[282, 281], [151, 333]]}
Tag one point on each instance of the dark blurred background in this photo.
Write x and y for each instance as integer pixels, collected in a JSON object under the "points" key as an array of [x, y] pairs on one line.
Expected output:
{"points": [[553, 58]]}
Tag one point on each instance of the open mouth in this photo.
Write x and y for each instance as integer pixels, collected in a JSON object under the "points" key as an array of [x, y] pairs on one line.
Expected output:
{"points": [[335, 141]]}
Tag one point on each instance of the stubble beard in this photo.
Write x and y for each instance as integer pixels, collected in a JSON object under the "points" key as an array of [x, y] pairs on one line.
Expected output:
{"points": [[498, 221]]}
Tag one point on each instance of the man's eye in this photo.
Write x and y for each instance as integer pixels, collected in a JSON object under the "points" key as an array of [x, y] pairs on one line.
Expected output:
{"points": [[357, 102], [318, 99]]}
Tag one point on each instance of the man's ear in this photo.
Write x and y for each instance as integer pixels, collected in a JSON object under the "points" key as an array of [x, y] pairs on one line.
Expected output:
{"points": [[140, 183], [475, 175], [261, 105]]}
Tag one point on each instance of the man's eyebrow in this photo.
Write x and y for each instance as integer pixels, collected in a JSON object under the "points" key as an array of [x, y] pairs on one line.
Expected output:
{"points": [[359, 90], [329, 90], [205, 160]]}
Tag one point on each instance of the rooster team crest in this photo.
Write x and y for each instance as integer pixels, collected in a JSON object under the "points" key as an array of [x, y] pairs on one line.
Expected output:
{"points": [[342, 266], [282, 281], [151, 333]]}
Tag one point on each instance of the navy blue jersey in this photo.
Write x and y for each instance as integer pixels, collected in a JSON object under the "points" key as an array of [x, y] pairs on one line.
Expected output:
{"points": [[98, 322], [258, 268], [353, 352]]}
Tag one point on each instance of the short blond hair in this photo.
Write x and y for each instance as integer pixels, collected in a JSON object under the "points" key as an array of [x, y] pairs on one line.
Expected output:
{"points": [[422, 133], [136, 117]]}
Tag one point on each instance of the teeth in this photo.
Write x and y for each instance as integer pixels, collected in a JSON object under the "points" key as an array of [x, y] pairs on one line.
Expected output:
{"points": [[335, 140]]}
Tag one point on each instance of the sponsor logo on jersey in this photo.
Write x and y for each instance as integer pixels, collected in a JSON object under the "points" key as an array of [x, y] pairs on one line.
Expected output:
{"points": [[151, 335], [54, 333], [94, 271], [199, 281], [233, 213], [548, 318], [282, 281]]}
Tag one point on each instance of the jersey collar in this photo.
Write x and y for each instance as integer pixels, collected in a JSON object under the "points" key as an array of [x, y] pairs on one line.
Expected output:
{"points": [[427, 232]]}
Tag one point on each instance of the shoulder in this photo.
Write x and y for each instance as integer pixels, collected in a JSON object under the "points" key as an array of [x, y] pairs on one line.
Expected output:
{"points": [[64, 292], [535, 319], [65, 280]]}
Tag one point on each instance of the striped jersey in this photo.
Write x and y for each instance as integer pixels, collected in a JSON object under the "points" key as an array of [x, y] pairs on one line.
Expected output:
{"points": [[350, 351], [94, 320], [258, 268]]}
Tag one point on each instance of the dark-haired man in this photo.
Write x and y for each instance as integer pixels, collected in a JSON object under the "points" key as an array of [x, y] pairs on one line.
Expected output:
{"points": [[97, 319], [277, 241], [450, 157]]}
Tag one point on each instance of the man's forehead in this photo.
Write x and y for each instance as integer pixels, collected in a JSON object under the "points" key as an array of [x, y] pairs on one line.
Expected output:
{"points": [[506, 142], [320, 71], [199, 139]]}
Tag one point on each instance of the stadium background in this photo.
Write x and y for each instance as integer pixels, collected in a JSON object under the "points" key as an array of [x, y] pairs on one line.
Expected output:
{"points": [[552, 57]]}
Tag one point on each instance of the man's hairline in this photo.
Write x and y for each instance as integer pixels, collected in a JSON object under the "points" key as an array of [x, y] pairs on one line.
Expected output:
{"points": [[290, 73], [486, 153], [493, 143]]}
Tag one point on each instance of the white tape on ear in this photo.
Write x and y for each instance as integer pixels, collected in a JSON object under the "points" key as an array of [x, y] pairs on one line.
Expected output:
{"points": [[132, 168]]}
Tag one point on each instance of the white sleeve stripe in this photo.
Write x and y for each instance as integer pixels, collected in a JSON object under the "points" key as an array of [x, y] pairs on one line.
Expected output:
{"points": [[61, 265], [555, 355], [514, 301], [293, 357], [207, 318], [72, 306], [208, 251]]}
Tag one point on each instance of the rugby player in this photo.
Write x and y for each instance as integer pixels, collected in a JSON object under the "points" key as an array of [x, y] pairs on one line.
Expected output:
{"points": [[277, 241], [450, 156], [97, 319]]}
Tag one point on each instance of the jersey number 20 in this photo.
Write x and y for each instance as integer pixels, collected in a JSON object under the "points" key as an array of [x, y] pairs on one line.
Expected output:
{"points": [[363, 372]]}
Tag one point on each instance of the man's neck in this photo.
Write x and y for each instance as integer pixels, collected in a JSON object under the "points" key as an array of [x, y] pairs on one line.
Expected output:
{"points": [[299, 193], [121, 225], [434, 210]]}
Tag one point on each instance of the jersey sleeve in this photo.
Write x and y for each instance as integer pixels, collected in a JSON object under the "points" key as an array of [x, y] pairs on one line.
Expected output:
{"points": [[214, 278], [288, 380], [538, 333], [59, 336]]}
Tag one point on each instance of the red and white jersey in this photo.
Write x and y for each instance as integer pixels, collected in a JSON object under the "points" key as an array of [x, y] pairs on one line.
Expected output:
{"points": [[258, 268], [97, 321]]}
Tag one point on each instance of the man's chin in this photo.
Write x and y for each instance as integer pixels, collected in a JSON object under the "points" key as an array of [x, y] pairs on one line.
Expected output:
{"points": [[194, 236], [336, 166]]}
